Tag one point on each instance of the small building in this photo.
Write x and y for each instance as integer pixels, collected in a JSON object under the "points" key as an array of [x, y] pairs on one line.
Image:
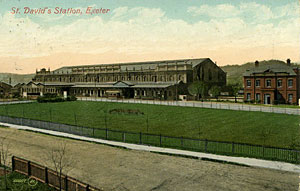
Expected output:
{"points": [[5, 90], [273, 84]]}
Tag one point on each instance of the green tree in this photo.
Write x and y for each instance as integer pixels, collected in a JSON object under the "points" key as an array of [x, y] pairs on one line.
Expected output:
{"points": [[198, 88], [215, 91], [235, 90]]}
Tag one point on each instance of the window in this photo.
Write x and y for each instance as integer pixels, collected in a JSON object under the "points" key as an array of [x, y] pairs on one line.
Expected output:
{"points": [[248, 96], [268, 83], [257, 83], [257, 97], [248, 83], [290, 98], [179, 77], [290, 83], [279, 83]]}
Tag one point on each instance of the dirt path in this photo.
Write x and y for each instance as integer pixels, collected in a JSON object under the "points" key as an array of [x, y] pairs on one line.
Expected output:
{"points": [[119, 169]]}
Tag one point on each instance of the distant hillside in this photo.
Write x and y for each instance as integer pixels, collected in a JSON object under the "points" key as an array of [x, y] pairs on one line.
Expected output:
{"points": [[15, 78], [235, 72]]}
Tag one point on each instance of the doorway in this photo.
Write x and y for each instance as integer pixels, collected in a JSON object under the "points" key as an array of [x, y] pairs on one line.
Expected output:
{"points": [[267, 99]]}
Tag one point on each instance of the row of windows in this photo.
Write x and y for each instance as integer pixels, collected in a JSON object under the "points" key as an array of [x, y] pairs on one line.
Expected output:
{"points": [[269, 83], [138, 92], [48, 90], [116, 78], [258, 98]]}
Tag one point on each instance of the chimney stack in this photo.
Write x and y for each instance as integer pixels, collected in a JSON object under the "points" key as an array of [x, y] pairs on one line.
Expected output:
{"points": [[288, 62], [256, 63]]}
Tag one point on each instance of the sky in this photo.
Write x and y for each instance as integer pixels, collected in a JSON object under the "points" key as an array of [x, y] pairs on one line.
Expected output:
{"points": [[228, 32]]}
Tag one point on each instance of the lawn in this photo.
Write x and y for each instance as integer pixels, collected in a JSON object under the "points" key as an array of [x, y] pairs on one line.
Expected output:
{"points": [[270, 129]]}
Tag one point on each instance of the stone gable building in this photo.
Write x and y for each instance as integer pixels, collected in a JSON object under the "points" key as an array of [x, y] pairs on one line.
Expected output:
{"points": [[146, 80], [5, 89]]}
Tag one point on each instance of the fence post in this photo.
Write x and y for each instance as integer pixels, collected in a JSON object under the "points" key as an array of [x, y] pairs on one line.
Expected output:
{"points": [[181, 141], [93, 132], [106, 133], [232, 147], [160, 140], [124, 138], [13, 164], [46, 175], [140, 137], [205, 145], [28, 168], [66, 183]]}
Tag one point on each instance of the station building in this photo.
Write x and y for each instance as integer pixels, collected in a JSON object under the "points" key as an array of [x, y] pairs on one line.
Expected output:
{"points": [[164, 80]]}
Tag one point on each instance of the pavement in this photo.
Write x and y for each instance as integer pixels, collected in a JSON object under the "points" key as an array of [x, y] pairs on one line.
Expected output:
{"points": [[283, 166], [15, 102], [212, 105]]}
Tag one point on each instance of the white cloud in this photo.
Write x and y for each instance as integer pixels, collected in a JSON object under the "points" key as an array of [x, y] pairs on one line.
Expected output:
{"points": [[219, 11], [251, 11], [142, 30]]}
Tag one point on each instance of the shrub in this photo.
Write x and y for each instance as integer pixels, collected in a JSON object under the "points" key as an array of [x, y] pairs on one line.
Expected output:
{"points": [[43, 99], [73, 98], [54, 98]]}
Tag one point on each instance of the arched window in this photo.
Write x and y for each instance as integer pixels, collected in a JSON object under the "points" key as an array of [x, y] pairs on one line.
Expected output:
{"points": [[179, 77], [145, 78]]}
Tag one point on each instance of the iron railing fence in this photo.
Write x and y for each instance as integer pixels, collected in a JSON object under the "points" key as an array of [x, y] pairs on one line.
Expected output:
{"points": [[200, 145]]}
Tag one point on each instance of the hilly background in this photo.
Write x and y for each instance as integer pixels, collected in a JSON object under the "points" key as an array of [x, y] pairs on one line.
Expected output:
{"points": [[234, 73], [15, 78]]}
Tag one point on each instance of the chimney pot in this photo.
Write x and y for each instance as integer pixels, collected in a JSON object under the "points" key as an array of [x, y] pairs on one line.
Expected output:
{"points": [[288, 62], [256, 63]]}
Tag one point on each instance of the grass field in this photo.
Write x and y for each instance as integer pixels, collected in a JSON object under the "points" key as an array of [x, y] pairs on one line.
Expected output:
{"points": [[270, 129]]}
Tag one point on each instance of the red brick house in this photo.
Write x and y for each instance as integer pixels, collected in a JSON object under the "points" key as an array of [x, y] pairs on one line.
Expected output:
{"points": [[277, 83]]}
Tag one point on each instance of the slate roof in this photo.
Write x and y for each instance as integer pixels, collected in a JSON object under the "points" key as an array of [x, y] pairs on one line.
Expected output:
{"points": [[275, 68], [137, 65]]}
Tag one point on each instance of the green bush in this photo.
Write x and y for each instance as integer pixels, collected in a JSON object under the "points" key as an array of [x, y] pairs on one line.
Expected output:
{"points": [[71, 98], [54, 98], [42, 99]]}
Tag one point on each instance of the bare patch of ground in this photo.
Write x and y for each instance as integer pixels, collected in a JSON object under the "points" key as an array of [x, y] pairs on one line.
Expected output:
{"points": [[118, 169]]}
